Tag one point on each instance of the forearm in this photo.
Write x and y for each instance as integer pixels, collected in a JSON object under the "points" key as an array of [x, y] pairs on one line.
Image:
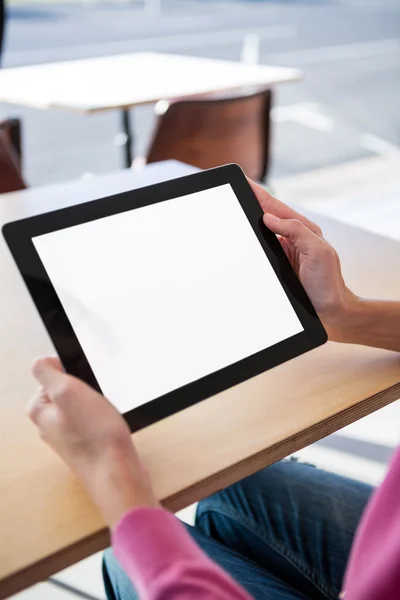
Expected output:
{"points": [[370, 323], [116, 483]]}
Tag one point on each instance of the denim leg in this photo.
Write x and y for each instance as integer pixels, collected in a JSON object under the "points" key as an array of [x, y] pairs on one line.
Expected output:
{"points": [[294, 520], [258, 581]]}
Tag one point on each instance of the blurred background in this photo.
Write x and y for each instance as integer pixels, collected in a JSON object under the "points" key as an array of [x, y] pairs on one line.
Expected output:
{"points": [[345, 108]]}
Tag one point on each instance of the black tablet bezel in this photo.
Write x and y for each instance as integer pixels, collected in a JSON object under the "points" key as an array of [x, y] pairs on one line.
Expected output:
{"points": [[19, 236]]}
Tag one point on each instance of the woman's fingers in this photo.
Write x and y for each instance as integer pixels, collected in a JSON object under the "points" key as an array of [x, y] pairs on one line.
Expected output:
{"points": [[58, 386], [36, 405], [295, 232], [273, 206], [55, 362], [48, 372]]}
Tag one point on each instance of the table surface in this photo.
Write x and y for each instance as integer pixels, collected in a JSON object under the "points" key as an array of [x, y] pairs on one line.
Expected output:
{"points": [[128, 80], [46, 519]]}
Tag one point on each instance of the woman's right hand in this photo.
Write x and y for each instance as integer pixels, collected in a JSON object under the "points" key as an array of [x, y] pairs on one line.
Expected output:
{"points": [[315, 261]]}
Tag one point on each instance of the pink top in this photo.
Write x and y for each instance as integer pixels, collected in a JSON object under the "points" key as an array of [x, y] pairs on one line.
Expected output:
{"points": [[163, 561]]}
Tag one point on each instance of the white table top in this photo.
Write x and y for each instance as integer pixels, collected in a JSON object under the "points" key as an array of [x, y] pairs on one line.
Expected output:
{"points": [[131, 79]]}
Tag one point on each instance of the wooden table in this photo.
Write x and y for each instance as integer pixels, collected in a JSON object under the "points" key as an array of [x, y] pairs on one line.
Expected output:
{"points": [[47, 522], [123, 81]]}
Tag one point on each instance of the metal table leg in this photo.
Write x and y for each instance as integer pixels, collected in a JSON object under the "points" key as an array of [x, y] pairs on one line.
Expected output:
{"points": [[128, 145]]}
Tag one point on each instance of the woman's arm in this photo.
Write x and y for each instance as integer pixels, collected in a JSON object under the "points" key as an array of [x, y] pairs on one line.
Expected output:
{"points": [[89, 434], [371, 323], [346, 317]]}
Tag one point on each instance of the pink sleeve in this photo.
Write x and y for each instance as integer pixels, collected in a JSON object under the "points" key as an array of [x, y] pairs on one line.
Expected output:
{"points": [[373, 572], [163, 561]]}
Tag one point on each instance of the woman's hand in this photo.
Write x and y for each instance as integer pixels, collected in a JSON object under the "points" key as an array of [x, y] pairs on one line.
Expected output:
{"points": [[90, 435], [315, 261]]}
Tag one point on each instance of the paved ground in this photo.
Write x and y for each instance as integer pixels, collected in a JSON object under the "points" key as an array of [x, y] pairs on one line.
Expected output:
{"points": [[346, 108]]}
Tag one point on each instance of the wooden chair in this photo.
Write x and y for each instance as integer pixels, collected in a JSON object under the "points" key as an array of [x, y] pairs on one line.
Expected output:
{"points": [[210, 132], [10, 156]]}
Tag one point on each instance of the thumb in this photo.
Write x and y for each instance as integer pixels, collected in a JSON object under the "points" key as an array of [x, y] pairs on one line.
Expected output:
{"points": [[48, 372], [294, 231]]}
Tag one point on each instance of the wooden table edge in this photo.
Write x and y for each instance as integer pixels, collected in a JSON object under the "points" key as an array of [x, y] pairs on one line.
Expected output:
{"points": [[41, 570]]}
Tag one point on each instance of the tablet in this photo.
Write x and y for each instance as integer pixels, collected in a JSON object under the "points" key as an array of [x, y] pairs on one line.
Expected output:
{"points": [[165, 295]]}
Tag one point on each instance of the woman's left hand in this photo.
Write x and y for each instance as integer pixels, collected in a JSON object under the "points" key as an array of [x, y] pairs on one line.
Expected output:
{"points": [[91, 436]]}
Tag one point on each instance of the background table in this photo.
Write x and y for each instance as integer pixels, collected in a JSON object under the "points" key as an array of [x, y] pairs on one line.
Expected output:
{"points": [[47, 522], [123, 81]]}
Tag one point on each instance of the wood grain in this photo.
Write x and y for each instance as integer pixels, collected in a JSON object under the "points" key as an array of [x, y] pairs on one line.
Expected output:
{"points": [[47, 522]]}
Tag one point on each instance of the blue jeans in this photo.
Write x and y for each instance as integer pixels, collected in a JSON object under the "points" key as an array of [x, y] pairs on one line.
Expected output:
{"points": [[284, 533]]}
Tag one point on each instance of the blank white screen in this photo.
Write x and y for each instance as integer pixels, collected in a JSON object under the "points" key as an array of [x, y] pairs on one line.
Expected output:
{"points": [[163, 295]]}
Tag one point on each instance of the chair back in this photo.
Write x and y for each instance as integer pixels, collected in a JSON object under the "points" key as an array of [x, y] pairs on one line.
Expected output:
{"points": [[12, 129], [210, 132], [10, 156]]}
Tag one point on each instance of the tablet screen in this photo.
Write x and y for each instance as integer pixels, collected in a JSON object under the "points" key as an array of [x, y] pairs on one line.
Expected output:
{"points": [[163, 295]]}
